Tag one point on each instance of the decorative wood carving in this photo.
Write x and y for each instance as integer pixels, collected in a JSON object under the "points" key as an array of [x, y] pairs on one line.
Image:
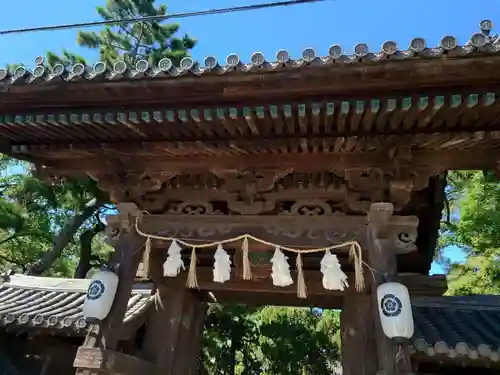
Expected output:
{"points": [[396, 232], [245, 189], [397, 185], [266, 191], [192, 208], [316, 231], [287, 230], [311, 208]]}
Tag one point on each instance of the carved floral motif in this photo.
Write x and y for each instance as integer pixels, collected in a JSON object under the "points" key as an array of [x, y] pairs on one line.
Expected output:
{"points": [[266, 191]]}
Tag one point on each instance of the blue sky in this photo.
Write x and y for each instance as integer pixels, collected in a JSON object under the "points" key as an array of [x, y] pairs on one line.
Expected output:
{"points": [[344, 22]]}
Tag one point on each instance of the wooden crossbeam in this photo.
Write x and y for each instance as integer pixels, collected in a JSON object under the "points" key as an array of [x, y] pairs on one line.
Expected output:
{"points": [[262, 283], [113, 362], [438, 160]]}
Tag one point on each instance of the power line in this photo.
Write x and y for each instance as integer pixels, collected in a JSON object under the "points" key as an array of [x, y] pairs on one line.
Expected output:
{"points": [[127, 21]]}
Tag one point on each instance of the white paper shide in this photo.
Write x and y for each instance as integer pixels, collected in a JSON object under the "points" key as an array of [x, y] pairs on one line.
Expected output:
{"points": [[174, 262], [333, 276], [222, 265], [280, 269]]}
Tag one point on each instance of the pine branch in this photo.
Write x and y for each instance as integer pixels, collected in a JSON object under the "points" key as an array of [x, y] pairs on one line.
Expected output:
{"points": [[113, 46], [64, 237], [129, 33], [138, 45]]}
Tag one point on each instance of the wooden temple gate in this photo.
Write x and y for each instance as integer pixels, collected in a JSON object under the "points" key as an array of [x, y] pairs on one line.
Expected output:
{"points": [[303, 153]]}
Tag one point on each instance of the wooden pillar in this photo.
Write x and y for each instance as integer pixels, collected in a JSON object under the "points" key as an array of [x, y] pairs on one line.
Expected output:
{"points": [[359, 351], [385, 234], [174, 330], [98, 353]]}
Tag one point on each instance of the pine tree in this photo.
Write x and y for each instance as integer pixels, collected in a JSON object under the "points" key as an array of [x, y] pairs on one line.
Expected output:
{"points": [[148, 40], [75, 206]]}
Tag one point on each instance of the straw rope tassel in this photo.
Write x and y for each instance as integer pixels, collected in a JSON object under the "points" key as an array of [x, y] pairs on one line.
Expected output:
{"points": [[301, 283], [146, 256], [192, 281], [247, 270], [355, 256]]}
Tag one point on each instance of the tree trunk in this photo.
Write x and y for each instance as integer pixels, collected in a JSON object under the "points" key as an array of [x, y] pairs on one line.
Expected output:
{"points": [[62, 240], [86, 250], [232, 352]]}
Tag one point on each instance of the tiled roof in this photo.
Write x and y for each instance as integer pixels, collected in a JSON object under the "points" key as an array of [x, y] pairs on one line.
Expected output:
{"points": [[55, 303], [480, 43], [458, 326], [450, 326]]}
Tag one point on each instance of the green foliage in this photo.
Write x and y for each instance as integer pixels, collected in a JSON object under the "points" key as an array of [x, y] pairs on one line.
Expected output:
{"points": [[33, 214], [270, 341], [149, 40], [477, 229], [68, 59], [51, 225], [479, 275], [474, 228]]}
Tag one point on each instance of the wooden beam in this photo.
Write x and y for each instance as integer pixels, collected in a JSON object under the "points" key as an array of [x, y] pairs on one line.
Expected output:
{"points": [[262, 283], [294, 231], [113, 362], [271, 299], [354, 81], [476, 158]]}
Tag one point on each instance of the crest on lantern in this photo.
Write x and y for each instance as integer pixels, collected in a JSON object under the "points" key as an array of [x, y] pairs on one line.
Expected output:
{"points": [[391, 305], [96, 290]]}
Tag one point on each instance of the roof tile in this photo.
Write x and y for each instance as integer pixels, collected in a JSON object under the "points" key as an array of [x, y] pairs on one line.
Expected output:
{"points": [[451, 326], [480, 43], [55, 303], [458, 326]]}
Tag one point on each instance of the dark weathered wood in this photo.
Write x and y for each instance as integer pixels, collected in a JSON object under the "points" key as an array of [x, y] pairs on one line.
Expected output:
{"points": [[285, 230], [444, 365], [382, 258], [391, 78], [173, 333], [272, 299], [359, 346], [129, 247], [436, 160], [294, 231], [112, 362], [262, 283], [128, 253]]}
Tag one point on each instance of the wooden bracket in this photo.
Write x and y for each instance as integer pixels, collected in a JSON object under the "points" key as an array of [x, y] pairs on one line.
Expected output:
{"points": [[122, 222], [391, 231], [107, 361]]}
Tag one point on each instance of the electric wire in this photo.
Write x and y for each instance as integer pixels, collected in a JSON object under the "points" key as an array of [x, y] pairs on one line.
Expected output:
{"points": [[127, 21]]}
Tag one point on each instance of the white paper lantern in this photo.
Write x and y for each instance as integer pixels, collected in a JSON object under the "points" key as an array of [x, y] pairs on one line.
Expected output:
{"points": [[100, 295], [395, 311]]}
